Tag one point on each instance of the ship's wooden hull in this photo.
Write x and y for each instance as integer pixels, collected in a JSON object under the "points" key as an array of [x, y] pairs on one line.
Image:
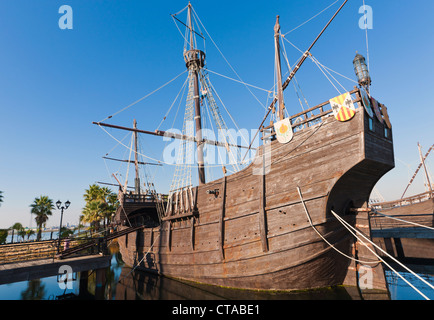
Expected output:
{"points": [[255, 233]]}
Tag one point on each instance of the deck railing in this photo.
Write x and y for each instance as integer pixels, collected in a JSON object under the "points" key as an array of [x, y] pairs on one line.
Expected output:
{"points": [[312, 116], [402, 202], [379, 222], [140, 198]]}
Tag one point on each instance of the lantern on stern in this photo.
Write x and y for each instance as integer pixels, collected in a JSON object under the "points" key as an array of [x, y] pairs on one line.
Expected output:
{"points": [[361, 70]]}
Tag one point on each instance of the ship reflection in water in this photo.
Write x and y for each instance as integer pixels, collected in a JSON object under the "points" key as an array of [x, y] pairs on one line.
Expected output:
{"points": [[138, 285], [133, 284], [125, 283]]}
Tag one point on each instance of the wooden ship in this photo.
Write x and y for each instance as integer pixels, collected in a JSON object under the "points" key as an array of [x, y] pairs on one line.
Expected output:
{"points": [[422, 203], [403, 227], [269, 225]]}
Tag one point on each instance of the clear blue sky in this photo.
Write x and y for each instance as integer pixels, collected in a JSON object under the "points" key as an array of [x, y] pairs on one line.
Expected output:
{"points": [[54, 83]]}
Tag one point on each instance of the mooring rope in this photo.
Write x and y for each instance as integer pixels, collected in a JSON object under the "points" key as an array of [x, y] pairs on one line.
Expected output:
{"points": [[349, 227], [325, 240]]}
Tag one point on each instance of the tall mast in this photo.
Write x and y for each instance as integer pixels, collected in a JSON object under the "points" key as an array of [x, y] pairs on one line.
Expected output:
{"points": [[424, 167], [278, 68], [136, 160], [194, 60]]}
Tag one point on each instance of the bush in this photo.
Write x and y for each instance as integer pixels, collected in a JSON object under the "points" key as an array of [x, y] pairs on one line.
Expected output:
{"points": [[3, 235]]}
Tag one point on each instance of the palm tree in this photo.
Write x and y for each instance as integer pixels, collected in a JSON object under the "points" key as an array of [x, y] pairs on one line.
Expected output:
{"points": [[22, 233], [18, 227], [29, 232], [101, 203], [92, 213], [1, 197], [42, 209], [93, 193]]}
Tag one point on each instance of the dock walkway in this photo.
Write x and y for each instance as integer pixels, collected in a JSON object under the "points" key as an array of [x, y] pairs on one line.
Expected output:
{"points": [[36, 269]]}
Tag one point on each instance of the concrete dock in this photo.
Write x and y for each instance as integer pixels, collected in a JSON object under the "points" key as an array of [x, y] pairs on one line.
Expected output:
{"points": [[29, 270]]}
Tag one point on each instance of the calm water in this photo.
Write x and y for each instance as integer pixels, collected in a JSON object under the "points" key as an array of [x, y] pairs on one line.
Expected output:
{"points": [[123, 283], [45, 235]]}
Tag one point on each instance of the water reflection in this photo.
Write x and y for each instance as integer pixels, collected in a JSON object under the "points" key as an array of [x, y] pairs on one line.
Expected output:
{"points": [[35, 290], [138, 285], [121, 282]]}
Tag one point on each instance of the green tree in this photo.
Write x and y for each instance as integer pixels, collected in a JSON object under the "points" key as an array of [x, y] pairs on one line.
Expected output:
{"points": [[92, 213], [29, 232], [3, 235], [16, 227], [22, 233], [42, 207], [101, 203], [65, 232], [35, 290]]}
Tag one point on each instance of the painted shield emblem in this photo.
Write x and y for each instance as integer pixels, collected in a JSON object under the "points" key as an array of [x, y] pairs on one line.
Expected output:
{"points": [[367, 103], [386, 116], [376, 109], [283, 130], [343, 107]]}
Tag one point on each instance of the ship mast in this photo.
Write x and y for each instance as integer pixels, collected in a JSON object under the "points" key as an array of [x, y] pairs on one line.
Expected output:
{"points": [[278, 68], [422, 160], [136, 160], [194, 60]]}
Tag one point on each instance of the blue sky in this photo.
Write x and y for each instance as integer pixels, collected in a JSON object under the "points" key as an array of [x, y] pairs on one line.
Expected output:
{"points": [[54, 83]]}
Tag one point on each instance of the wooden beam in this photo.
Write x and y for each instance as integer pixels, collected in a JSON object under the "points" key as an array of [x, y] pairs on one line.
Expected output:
{"points": [[262, 213], [171, 135], [130, 161], [222, 220], [169, 235]]}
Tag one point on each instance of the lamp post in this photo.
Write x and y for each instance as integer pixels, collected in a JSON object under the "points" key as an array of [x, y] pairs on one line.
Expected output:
{"points": [[60, 207]]}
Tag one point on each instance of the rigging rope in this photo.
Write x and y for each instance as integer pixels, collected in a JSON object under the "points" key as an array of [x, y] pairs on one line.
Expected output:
{"points": [[182, 175], [176, 98], [150, 158], [144, 97], [310, 18], [295, 79], [317, 62], [218, 119], [246, 84], [221, 53], [367, 44]]}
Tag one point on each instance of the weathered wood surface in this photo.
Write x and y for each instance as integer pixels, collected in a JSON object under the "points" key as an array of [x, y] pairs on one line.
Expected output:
{"points": [[335, 164], [418, 204], [380, 222], [406, 248]]}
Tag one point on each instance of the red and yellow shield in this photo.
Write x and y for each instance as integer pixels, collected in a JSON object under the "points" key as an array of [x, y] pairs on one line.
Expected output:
{"points": [[343, 107]]}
